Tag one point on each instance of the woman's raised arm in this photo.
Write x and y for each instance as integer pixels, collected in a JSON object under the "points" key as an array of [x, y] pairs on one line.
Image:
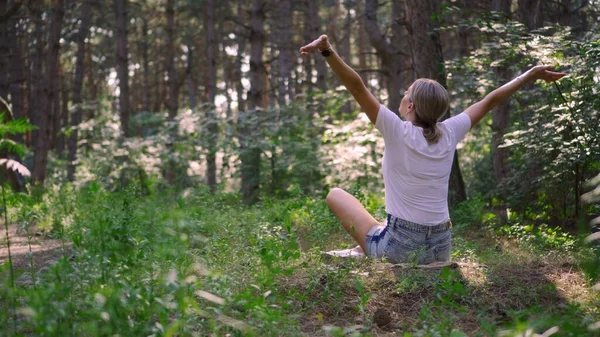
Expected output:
{"points": [[349, 78], [479, 109]]}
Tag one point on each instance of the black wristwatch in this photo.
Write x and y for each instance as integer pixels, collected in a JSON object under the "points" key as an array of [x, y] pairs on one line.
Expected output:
{"points": [[326, 52]]}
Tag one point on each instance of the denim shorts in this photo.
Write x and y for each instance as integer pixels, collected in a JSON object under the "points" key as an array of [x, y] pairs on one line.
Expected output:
{"points": [[401, 241]]}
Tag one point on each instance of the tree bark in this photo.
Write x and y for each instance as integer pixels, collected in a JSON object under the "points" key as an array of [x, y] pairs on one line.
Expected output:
{"points": [[428, 62], [241, 47], [211, 92], [501, 121], [173, 97], [77, 86], [63, 119], [43, 140], [122, 64], [4, 52], [530, 13], [16, 70], [392, 61], [145, 64], [36, 79], [283, 14], [251, 152]]}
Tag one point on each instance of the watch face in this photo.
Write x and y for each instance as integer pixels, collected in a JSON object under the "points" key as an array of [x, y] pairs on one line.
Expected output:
{"points": [[326, 52]]}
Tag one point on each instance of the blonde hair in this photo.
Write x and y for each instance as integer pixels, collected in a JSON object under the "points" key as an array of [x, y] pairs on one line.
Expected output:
{"points": [[431, 101]]}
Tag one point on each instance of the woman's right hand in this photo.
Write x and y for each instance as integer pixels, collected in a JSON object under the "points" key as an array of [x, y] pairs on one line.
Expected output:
{"points": [[544, 73], [319, 44]]}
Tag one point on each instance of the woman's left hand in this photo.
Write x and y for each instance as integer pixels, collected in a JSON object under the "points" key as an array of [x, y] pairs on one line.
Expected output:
{"points": [[544, 73]]}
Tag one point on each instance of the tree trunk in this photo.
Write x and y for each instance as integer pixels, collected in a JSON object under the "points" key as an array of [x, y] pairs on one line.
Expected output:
{"points": [[173, 97], [251, 152], [530, 13], [122, 64], [43, 140], [145, 65], [36, 81], [211, 88], [77, 86], [16, 71], [64, 115], [501, 122], [392, 61], [428, 62], [283, 14], [241, 46], [313, 30], [192, 93], [4, 52], [362, 41]]}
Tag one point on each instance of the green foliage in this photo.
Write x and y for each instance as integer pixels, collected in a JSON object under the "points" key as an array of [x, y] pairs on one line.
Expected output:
{"points": [[540, 237], [553, 136]]}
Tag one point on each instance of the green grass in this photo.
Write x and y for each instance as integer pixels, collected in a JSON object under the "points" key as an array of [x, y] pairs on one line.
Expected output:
{"points": [[136, 264]]}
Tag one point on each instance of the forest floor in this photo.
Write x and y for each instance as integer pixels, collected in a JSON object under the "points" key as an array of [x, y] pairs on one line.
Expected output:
{"points": [[44, 250], [261, 270], [503, 284]]}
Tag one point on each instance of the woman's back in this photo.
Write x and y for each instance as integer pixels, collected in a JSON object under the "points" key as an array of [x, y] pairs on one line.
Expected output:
{"points": [[415, 172]]}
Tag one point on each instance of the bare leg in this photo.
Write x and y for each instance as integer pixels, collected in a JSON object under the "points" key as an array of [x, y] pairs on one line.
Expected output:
{"points": [[353, 216]]}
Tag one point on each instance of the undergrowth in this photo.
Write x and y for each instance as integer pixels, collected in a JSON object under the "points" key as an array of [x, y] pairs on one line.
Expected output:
{"points": [[193, 264]]}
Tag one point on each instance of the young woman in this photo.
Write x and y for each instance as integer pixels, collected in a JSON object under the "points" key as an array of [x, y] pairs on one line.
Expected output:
{"points": [[416, 165]]}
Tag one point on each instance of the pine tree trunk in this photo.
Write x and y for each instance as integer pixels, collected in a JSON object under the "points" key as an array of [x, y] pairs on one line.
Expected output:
{"points": [[36, 79], [42, 146], [530, 13], [77, 86], [283, 15], [501, 121], [16, 71], [211, 92], [64, 116], [173, 97], [4, 52], [251, 152], [122, 64], [392, 61], [428, 62], [145, 65]]}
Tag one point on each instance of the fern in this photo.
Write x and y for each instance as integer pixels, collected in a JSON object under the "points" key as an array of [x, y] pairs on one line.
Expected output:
{"points": [[12, 147], [13, 127]]}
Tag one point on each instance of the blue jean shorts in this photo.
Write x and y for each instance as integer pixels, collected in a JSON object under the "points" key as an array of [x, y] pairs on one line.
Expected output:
{"points": [[401, 241]]}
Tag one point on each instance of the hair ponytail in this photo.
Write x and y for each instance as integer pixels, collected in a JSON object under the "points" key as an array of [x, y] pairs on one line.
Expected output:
{"points": [[432, 133]]}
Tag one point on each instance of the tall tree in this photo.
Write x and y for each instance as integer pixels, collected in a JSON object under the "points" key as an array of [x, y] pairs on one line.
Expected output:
{"points": [[428, 62], [530, 13], [42, 146], [393, 60], [123, 64], [16, 66], [4, 52], [284, 39], [211, 91], [36, 80], [251, 152], [144, 46], [239, 60], [77, 86], [501, 116], [172, 83]]}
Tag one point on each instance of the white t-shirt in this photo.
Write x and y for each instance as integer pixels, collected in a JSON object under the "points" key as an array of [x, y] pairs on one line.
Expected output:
{"points": [[415, 173]]}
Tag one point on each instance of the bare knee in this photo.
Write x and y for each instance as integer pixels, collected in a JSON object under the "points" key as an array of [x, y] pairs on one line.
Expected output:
{"points": [[334, 195]]}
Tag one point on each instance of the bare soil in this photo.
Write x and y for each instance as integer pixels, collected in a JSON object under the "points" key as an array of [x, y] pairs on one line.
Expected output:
{"points": [[44, 250]]}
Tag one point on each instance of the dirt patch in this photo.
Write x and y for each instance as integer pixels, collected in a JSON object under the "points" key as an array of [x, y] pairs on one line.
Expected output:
{"points": [[44, 250]]}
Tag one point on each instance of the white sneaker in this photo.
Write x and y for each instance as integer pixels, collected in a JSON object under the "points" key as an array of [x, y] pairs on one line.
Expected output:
{"points": [[352, 253]]}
